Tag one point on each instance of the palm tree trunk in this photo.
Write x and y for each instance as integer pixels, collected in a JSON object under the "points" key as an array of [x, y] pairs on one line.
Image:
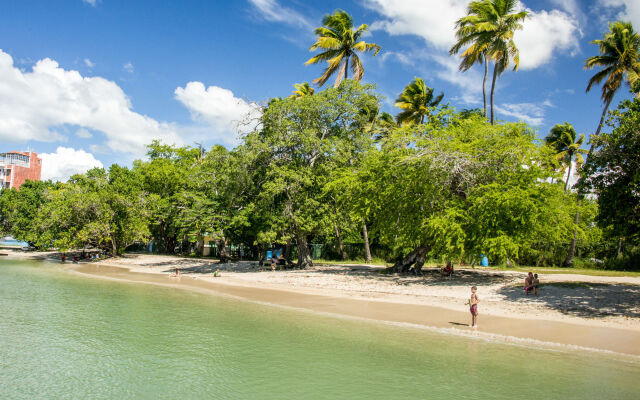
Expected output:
{"points": [[493, 89], [346, 68], [365, 236], [566, 184], [568, 262], [484, 86], [619, 255]]}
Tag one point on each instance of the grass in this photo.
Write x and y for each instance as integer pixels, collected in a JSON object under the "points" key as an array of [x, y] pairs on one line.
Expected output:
{"points": [[576, 271]]}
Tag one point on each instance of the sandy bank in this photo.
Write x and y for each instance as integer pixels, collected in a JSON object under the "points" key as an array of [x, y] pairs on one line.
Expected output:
{"points": [[596, 332]]}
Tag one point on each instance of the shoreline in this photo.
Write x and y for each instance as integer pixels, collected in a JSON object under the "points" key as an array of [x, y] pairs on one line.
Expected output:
{"points": [[600, 313], [549, 334]]}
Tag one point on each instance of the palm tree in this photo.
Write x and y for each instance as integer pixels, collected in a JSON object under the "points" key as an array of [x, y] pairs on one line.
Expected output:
{"points": [[341, 44], [302, 89], [474, 54], [619, 57], [488, 30], [562, 139], [416, 101]]}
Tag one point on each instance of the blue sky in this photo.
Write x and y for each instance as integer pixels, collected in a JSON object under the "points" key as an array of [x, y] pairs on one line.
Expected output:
{"points": [[89, 82]]}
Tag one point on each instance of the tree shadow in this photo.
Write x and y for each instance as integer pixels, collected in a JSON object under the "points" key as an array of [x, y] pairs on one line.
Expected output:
{"points": [[590, 300]]}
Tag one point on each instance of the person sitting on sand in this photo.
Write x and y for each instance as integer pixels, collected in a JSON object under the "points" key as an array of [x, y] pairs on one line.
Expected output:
{"points": [[473, 307], [528, 283], [535, 283], [274, 262], [447, 270], [176, 274], [216, 273]]}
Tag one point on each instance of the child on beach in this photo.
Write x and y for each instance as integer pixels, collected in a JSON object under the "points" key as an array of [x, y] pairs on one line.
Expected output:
{"points": [[535, 283], [473, 307], [528, 283]]}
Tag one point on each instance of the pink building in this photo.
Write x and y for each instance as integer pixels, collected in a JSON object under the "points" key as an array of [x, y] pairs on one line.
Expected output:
{"points": [[17, 166]]}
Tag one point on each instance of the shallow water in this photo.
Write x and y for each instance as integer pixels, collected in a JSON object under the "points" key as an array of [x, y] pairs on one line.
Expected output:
{"points": [[67, 336]]}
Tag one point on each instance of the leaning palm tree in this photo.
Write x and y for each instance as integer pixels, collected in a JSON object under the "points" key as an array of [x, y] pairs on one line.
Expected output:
{"points": [[302, 89], [619, 58], [489, 30], [562, 139], [416, 102], [340, 43]]}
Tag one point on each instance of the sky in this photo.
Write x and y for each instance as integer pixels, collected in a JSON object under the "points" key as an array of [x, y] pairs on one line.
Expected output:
{"points": [[89, 83]]}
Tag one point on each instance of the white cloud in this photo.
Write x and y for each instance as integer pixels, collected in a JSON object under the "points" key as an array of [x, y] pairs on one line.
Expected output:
{"points": [[89, 63], [272, 11], [627, 10], [433, 20], [531, 113], [470, 81], [543, 33], [33, 104], [92, 3], [219, 108], [128, 67], [65, 162]]}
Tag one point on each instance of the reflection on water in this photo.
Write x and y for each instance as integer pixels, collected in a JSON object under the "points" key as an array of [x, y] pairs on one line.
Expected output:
{"points": [[72, 337]]}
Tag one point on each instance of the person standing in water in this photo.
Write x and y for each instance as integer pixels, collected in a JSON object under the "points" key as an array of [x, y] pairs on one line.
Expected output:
{"points": [[473, 307]]}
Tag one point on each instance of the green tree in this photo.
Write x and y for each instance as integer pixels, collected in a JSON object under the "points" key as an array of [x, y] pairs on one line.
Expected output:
{"points": [[340, 44], [299, 143], [489, 30], [567, 145], [416, 102], [619, 58], [613, 172], [18, 209]]}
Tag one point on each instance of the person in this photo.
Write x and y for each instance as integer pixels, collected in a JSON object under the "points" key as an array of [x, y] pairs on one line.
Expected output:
{"points": [[63, 257], [274, 262], [447, 270], [535, 283], [282, 260], [473, 307], [528, 283], [176, 274], [216, 273]]}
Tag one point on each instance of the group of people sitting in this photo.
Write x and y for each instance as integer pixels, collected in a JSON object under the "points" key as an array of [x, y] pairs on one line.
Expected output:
{"points": [[531, 283]]}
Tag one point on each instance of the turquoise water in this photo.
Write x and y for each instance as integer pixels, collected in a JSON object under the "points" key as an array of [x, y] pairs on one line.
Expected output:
{"points": [[71, 337], [12, 242]]}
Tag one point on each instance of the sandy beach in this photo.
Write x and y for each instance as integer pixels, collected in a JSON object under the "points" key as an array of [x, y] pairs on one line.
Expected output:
{"points": [[578, 310]]}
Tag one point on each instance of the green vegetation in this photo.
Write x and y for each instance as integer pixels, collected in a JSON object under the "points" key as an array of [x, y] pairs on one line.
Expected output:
{"points": [[327, 174]]}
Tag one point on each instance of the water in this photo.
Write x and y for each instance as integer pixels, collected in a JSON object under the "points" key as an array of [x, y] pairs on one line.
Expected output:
{"points": [[66, 336], [9, 241]]}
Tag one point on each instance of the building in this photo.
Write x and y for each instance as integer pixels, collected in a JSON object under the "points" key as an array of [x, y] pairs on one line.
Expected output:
{"points": [[17, 166]]}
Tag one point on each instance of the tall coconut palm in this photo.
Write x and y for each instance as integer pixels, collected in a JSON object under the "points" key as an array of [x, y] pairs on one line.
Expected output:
{"points": [[562, 138], [488, 30], [474, 54], [341, 44], [302, 89], [619, 58], [416, 102]]}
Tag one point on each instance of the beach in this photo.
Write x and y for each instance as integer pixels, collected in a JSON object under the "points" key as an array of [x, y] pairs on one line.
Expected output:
{"points": [[593, 312]]}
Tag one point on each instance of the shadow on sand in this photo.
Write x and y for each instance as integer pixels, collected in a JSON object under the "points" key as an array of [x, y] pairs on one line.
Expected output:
{"points": [[590, 300]]}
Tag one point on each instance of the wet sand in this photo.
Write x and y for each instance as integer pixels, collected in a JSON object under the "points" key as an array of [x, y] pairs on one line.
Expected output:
{"points": [[492, 327]]}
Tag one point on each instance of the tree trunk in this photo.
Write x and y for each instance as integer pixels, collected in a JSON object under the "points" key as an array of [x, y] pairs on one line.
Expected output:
{"points": [[493, 89], [365, 236], [114, 247], [304, 255], [566, 184], [287, 250], [484, 86], [417, 257], [568, 262], [620, 239], [223, 253], [343, 255], [346, 68], [200, 246]]}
